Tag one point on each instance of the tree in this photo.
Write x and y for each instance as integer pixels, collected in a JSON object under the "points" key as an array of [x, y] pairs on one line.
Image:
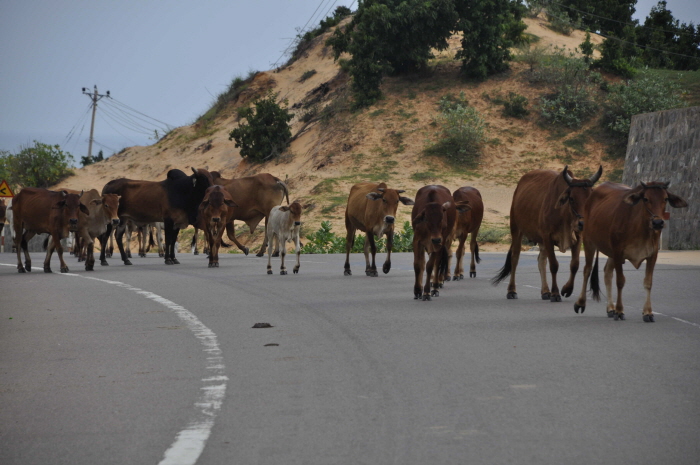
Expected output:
{"points": [[266, 134], [89, 161], [488, 27], [391, 37], [667, 42], [41, 165], [606, 16]]}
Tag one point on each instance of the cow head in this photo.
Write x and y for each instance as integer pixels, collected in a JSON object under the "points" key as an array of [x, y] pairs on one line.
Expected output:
{"points": [[201, 177], [431, 221], [294, 210], [110, 206], [215, 207], [389, 199], [653, 196], [70, 205], [576, 194]]}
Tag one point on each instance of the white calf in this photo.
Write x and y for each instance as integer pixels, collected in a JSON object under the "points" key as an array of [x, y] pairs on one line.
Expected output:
{"points": [[283, 224]]}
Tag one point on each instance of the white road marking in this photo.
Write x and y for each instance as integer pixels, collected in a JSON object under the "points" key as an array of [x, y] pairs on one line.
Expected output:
{"points": [[189, 443]]}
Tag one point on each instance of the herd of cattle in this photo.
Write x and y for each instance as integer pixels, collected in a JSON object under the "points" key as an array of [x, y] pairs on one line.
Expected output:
{"points": [[549, 208]]}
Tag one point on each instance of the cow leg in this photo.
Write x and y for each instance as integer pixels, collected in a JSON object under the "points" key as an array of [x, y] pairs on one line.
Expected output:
{"points": [[193, 244], [431, 268], [647, 314], [371, 247], [21, 242], [282, 246], [389, 245], [103, 245], [418, 269], [608, 271], [620, 281], [50, 246], [171, 233], [459, 266], [90, 257], [231, 233], [159, 239], [297, 251], [127, 231], [118, 236], [112, 234], [581, 301], [264, 244], [210, 240], [568, 288], [349, 242], [269, 253], [514, 259], [474, 249], [554, 269], [443, 269]]}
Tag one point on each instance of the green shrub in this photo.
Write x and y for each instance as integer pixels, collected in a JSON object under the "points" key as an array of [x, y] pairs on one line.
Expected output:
{"points": [[570, 107], [462, 131], [324, 240], [266, 134], [41, 165], [648, 93], [307, 75], [515, 105]]}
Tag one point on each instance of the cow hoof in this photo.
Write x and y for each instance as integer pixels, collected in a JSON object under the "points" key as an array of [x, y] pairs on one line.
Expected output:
{"points": [[196, 252], [566, 292], [546, 296], [260, 254], [47, 269], [175, 261], [143, 255], [372, 273], [449, 278], [89, 268], [619, 316], [127, 262], [555, 298], [246, 250], [512, 295], [64, 270], [104, 263], [649, 318], [128, 255], [347, 273], [611, 313], [269, 271], [426, 297], [167, 262], [578, 307], [472, 274], [211, 265], [161, 255], [275, 253], [216, 264], [386, 268], [296, 271], [283, 272], [21, 270], [435, 293]]}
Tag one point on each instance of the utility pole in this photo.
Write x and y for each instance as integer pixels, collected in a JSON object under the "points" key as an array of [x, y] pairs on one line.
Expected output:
{"points": [[94, 97]]}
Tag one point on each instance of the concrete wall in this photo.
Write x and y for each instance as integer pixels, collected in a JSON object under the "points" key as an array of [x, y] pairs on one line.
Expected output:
{"points": [[665, 146]]}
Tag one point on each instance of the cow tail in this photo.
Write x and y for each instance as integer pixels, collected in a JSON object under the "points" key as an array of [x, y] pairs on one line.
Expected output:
{"points": [[505, 271], [194, 239], [476, 253], [285, 189], [151, 242], [595, 283]]}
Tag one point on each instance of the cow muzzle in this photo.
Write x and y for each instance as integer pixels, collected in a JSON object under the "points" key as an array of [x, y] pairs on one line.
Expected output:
{"points": [[115, 222], [436, 240], [389, 219], [73, 224], [297, 223], [215, 220], [657, 224]]}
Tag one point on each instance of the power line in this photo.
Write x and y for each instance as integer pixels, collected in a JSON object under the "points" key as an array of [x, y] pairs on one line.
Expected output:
{"points": [[301, 31]]}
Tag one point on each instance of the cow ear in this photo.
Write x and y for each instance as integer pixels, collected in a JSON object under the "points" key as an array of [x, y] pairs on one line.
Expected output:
{"points": [[463, 207], [406, 201], [84, 209], [373, 196], [230, 203], [284, 208], [675, 201], [96, 202], [563, 198]]}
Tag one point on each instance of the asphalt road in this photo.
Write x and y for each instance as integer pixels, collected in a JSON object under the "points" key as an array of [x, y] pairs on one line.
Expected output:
{"points": [[161, 364]]}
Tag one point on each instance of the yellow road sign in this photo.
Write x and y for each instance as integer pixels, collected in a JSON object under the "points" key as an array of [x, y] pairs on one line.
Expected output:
{"points": [[5, 190]]}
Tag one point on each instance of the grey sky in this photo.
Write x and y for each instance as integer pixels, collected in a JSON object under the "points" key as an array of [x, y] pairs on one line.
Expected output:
{"points": [[168, 59]]}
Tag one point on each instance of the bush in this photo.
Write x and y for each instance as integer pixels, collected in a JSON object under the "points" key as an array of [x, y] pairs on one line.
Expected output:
{"points": [[515, 105], [266, 134], [645, 94], [463, 131], [326, 241], [570, 107], [42, 165]]}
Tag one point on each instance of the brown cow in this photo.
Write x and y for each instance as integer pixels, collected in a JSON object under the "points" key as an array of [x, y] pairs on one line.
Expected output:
{"points": [[467, 223], [433, 219], [103, 213], [624, 224], [545, 209], [215, 212], [38, 211], [174, 201], [284, 226], [255, 197], [372, 209], [3, 210]]}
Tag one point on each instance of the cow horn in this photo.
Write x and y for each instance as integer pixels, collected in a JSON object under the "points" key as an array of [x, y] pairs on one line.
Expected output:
{"points": [[567, 178], [400, 191], [597, 175], [643, 185]]}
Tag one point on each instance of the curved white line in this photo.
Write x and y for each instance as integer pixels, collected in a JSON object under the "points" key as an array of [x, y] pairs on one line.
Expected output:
{"points": [[189, 443]]}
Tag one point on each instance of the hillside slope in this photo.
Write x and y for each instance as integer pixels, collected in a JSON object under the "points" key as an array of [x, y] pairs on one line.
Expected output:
{"points": [[383, 142]]}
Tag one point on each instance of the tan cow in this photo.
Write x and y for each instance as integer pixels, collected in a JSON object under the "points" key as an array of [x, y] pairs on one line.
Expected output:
{"points": [[283, 226], [37, 211], [372, 210], [433, 219], [546, 209], [468, 222], [625, 224], [215, 212]]}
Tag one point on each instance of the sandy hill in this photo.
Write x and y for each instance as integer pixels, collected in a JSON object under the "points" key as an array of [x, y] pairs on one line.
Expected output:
{"points": [[385, 141]]}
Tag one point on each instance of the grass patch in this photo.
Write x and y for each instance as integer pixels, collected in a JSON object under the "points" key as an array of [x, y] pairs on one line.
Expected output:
{"points": [[578, 143], [689, 81]]}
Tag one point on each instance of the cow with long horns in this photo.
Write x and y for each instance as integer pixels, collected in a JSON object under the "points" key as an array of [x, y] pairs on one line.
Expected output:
{"points": [[546, 210]]}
